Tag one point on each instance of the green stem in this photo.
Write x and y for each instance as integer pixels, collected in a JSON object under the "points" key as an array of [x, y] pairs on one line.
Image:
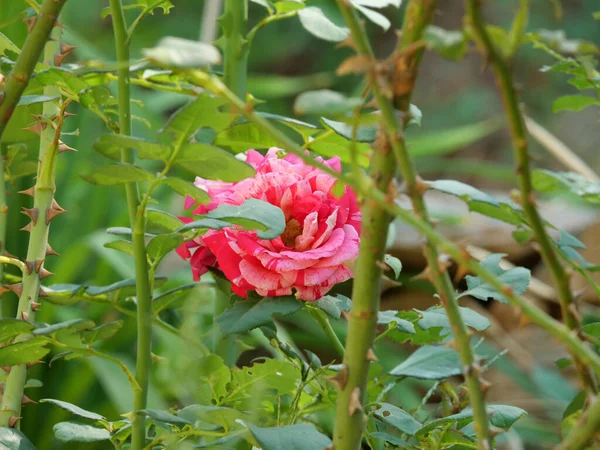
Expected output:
{"points": [[44, 210], [365, 187], [418, 15], [518, 131], [235, 67], [137, 219], [3, 217], [584, 430], [323, 320], [17, 80]]}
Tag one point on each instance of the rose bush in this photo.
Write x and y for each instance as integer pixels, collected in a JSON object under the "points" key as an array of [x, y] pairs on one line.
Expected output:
{"points": [[310, 257]]}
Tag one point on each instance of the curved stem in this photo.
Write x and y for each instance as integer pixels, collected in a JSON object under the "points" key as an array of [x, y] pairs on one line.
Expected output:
{"points": [[366, 188], [585, 430], [137, 218], [323, 320], [521, 154]]}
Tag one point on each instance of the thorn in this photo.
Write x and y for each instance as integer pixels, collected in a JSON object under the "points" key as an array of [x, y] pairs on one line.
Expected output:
{"points": [[12, 422], [56, 206], [6, 369], [36, 128], [371, 355], [26, 227], [25, 315], [30, 191], [38, 264], [33, 363], [62, 147], [32, 213], [50, 251], [3, 290], [9, 255], [340, 379], [355, 404], [17, 288], [58, 58], [66, 48], [28, 267], [35, 306], [68, 114], [30, 22], [26, 400], [45, 273], [42, 292], [51, 213]]}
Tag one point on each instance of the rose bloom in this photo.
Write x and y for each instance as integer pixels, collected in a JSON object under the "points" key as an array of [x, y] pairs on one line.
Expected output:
{"points": [[310, 257]]}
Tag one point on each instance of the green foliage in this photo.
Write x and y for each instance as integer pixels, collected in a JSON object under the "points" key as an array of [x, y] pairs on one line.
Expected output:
{"points": [[429, 363], [12, 439], [293, 437]]}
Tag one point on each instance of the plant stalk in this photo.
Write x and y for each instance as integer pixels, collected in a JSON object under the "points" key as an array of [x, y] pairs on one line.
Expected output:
{"points": [[419, 14], [518, 132], [324, 322], [584, 430], [44, 210], [3, 218], [137, 218], [17, 80], [365, 187], [235, 66]]}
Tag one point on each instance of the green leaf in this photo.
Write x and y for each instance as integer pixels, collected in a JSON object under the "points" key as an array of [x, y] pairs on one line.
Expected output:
{"points": [[267, 219], [430, 363], [94, 96], [303, 128], [283, 6], [212, 163], [118, 174], [164, 416], [592, 329], [169, 298], [375, 17], [11, 439], [323, 20], [574, 103], [450, 44], [110, 145], [173, 52], [397, 418], [162, 244], [74, 409], [337, 145], [105, 331], [363, 133], [436, 143], [462, 191], [334, 305], [151, 5], [121, 246], [325, 102], [437, 317], [247, 315], [162, 221], [549, 181], [390, 316], [72, 326], [240, 138], [214, 372], [264, 3], [24, 352], [517, 279], [217, 415], [33, 99], [291, 437], [77, 432], [13, 327], [183, 187], [202, 112], [393, 263]]}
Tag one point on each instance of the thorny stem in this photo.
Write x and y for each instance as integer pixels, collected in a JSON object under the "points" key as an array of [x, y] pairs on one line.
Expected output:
{"points": [[3, 216], [365, 187], [418, 15], [585, 429], [518, 131], [234, 22], [44, 210], [137, 219], [323, 321]]}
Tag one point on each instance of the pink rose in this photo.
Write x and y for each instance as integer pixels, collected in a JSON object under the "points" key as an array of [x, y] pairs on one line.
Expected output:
{"points": [[310, 257]]}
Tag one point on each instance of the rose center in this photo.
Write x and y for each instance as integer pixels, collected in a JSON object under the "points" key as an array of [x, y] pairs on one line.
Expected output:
{"points": [[293, 229]]}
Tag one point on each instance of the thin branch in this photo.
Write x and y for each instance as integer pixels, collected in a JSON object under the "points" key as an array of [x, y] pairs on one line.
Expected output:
{"points": [[518, 131]]}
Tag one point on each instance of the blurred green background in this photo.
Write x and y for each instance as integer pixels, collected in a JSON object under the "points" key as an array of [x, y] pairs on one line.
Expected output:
{"points": [[284, 61]]}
